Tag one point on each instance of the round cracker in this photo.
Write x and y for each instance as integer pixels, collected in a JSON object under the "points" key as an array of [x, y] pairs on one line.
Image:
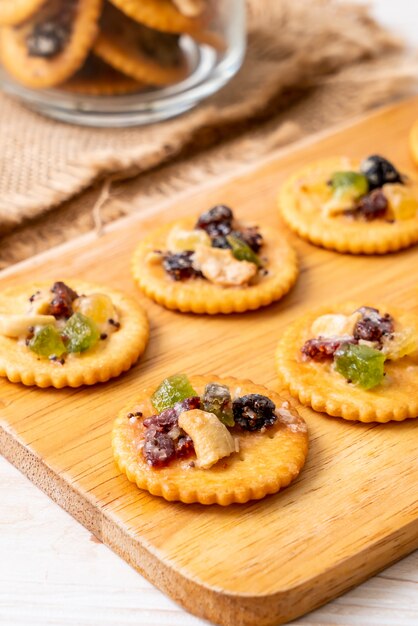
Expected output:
{"points": [[161, 15], [317, 385], [198, 295], [341, 233], [108, 359], [38, 72], [119, 44], [267, 461], [15, 11], [96, 78]]}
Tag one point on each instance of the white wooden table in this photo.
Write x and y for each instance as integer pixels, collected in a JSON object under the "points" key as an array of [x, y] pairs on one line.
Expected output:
{"points": [[54, 573]]}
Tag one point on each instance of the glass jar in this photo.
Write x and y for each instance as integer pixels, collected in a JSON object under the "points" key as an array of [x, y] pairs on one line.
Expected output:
{"points": [[119, 62]]}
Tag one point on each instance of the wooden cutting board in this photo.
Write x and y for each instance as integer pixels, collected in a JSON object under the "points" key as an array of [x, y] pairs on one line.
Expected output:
{"points": [[354, 508]]}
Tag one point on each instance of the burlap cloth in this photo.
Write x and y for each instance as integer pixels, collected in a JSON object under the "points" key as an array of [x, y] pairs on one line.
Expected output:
{"points": [[310, 64]]}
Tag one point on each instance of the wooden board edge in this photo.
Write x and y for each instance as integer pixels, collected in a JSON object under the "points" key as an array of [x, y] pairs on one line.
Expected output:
{"points": [[213, 604], [91, 236]]}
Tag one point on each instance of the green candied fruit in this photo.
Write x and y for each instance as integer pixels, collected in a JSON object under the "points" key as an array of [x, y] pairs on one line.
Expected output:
{"points": [[349, 184], [82, 333], [173, 389], [217, 399], [47, 342], [361, 365], [242, 251]]}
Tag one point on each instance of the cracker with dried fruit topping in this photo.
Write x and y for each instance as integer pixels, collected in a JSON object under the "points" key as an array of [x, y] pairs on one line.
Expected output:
{"points": [[355, 362], [68, 335], [348, 206], [214, 264], [147, 55], [210, 440], [162, 15], [96, 78], [49, 47]]}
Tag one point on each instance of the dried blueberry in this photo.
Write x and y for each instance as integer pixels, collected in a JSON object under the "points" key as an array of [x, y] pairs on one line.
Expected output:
{"points": [[321, 348], [379, 171], [179, 266], [372, 326], [254, 412], [219, 214], [372, 206], [46, 40]]}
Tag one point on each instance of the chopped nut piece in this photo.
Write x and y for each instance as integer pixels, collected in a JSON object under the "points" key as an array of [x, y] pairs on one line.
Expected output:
{"points": [[335, 325], [19, 325], [400, 344], [211, 439], [220, 267], [40, 303]]}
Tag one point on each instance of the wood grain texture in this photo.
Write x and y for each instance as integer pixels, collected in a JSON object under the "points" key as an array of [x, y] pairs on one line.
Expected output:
{"points": [[354, 509], [90, 585]]}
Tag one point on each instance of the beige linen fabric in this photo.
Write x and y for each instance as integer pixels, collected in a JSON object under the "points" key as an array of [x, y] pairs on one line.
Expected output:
{"points": [[310, 64]]}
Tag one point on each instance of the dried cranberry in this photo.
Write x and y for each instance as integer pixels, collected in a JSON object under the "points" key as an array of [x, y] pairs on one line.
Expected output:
{"points": [[372, 326], [159, 448], [61, 305], [163, 427], [163, 422], [187, 405], [254, 412], [184, 446], [180, 265], [321, 348], [372, 206], [252, 237]]}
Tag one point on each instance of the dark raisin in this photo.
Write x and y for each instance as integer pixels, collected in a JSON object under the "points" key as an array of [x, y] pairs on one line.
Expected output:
{"points": [[61, 305], [321, 348], [372, 326], [47, 40], [379, 171], [219, 214], [180, 266], [372, 206], [252, 237], [159, 448], [254, 412]]}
